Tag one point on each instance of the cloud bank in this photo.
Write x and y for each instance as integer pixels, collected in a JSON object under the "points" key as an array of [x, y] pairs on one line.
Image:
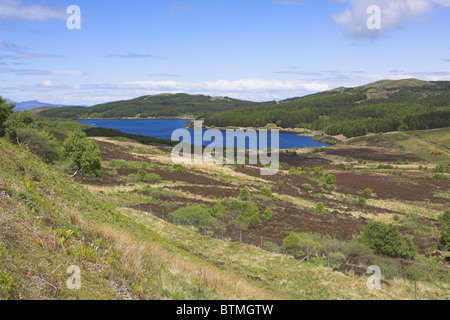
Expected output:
{"points": [[16, 9], [394, 15]]}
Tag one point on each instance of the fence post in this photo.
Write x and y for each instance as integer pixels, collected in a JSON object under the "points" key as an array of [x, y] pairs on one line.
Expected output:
{"points": [[205, 230], [261, 242], [415, 290], [283, 247], [222, 234], [307, 253]]}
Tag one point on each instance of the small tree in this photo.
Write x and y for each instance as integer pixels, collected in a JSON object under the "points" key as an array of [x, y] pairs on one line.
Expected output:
{"points": [[219, 209], [382, 238], [318, 170], [6, 110], [409, 249], [308, 187], [244, 194], [254, 220], [330, 179], [320, 207], [362, 202], [368, 192], [16, 121], [84, 153], [267, 215], [43, 145], [292, 241], [266, 192]]}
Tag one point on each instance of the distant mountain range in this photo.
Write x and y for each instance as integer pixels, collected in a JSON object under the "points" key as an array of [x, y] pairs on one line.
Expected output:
{"points": [[33, 104]]}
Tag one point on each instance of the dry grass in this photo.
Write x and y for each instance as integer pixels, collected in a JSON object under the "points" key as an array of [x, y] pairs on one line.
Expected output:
{"points": [[150, 259]]}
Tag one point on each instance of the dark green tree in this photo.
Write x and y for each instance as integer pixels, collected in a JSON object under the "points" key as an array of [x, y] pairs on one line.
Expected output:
{"points": [[84, 153], [382, 238], [6, 109]]}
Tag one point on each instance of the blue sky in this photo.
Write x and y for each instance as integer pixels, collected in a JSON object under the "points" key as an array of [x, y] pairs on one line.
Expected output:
{"points": [[254, 49]]}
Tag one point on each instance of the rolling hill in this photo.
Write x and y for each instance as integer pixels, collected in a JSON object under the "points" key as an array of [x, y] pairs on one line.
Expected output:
{"points": [[382, 106], [162, 105]]}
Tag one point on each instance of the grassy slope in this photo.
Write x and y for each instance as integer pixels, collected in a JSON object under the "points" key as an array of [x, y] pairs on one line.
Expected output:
{"points": [[431, 145], [48, 222]]}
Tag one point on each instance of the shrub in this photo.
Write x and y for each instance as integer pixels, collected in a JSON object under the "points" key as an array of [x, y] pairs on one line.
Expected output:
{"points": [[390, 268], [83, 152], [357, 249], [6, 110], [444, 238], [249, 209], [318, 170], [244, 194], [330, 179], [292, 241], [330, 187], [43, 145], [385, 166], [235, 205], [219, 210], [417, 271], [368, 192], [266, 192], [178, 168], [144, 176], [308, 187], [330, 142], [445, 217], [440, 176], [267, 215], [19, 120], [152, 178], [409, 249], [197, 214], [382, 238], [362, 202], [149, 191], [118, 164], [336, 258], [320, 207], [254, 220]]}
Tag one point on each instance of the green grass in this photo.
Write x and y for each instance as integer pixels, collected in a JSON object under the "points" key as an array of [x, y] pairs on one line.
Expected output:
{"points": [[430, 145]]}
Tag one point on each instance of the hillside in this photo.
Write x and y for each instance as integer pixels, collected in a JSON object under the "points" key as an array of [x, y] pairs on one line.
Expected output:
{"points": [[162, 105], [124, 233], [382, 106]]}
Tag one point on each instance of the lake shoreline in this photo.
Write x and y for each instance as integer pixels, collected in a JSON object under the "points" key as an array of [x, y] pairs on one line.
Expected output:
{"points": [[189, 125], [289, 139]]}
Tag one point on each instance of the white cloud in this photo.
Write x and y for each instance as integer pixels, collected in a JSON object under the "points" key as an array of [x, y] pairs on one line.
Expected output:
{"points": [[15, 9], [255, 89], [394, 15], [132, 55]]}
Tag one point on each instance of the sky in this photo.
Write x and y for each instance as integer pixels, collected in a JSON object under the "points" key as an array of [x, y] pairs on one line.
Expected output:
{"points": [[258, 50]]}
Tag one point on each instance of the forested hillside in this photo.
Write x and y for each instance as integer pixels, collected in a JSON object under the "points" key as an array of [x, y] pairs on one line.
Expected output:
{"points": [[379, 107], [162, 105]]}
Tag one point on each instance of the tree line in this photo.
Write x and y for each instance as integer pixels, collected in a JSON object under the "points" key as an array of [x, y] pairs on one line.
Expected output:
{"points": [[349, 112]]}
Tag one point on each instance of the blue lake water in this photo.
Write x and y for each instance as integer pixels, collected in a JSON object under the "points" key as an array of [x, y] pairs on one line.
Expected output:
{"points": [[163, 129]]}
